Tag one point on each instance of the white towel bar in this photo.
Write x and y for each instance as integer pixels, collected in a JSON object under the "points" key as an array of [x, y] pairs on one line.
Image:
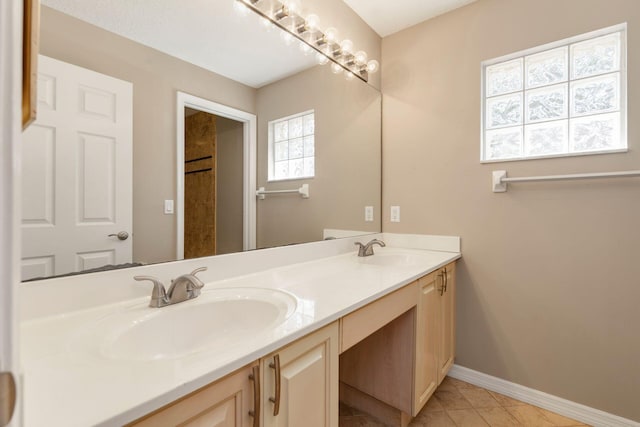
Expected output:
{"points": [[500, 180], [303, 191]]}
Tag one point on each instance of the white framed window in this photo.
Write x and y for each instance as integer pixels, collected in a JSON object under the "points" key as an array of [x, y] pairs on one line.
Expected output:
{"points": [[292, 147], [562, 99]]}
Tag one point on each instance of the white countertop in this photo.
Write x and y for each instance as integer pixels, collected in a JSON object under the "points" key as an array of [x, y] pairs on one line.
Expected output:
{"points": [[66, 386]]}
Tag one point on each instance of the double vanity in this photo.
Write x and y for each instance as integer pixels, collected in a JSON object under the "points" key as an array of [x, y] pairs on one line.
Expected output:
{"points": [[274, 338]]}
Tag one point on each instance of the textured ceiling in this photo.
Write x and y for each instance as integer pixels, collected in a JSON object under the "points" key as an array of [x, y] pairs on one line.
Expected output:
{"points": [[389, 16]]}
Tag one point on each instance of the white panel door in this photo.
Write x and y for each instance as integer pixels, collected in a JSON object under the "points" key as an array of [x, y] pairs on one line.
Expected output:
{"points": [[77, 172]]}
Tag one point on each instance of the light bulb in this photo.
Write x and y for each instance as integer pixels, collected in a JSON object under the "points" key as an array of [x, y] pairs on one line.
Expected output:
{"points": [[346, 46], [349, 76], [373, 66], [312, 22], [336, 68], [288, 38], [305, 48], [360, 57], [267, 25], [293, 6], [331, 35], [321, 59], [240, 8]]}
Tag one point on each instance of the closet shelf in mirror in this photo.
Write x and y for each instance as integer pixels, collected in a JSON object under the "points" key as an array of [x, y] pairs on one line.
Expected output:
{"points": [[198, 159]]}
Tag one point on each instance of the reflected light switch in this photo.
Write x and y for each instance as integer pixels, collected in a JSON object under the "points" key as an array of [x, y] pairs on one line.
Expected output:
{"points": [[395, 214], [168, 207], [368, 213]]}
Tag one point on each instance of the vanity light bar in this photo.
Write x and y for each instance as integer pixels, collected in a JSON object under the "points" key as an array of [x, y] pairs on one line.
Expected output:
{"points": [[288, 20]]}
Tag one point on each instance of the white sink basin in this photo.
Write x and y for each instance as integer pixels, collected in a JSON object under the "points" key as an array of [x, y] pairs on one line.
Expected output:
{"points": [[218, 317]]}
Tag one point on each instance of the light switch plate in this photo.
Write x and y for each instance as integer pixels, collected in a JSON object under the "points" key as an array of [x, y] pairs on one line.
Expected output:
{"points": [[368, 213], [395, 213], [168, 207]]}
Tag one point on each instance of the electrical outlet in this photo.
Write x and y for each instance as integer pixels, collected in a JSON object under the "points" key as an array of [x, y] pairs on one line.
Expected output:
{"points": [[368, 213], [168, 207], [395, 213]]}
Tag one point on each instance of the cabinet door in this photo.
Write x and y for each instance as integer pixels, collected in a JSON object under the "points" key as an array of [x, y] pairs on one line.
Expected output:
{"points": [[308, 382], [225, 403], [447, 321], [426, 357]]}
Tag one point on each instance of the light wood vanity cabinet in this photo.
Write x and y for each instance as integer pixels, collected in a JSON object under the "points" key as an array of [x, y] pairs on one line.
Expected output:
{"points": [[300, 382], [224, 403], [447, 342], [395, 352], [393, 367], [435, 332], [427, 336], [301, 379]]}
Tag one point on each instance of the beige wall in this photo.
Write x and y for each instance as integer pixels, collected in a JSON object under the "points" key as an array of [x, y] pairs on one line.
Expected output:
{"points": [[229, 188], [156, 78], [347, 163], [549, 283]]}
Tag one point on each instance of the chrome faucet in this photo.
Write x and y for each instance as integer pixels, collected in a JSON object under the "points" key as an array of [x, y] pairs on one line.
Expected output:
{"points": [[367, 250], [182, 288]]}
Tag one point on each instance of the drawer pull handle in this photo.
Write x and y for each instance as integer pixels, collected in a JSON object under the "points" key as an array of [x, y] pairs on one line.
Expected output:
{"points": [[446, 279], [255, 377], [275, 365]]}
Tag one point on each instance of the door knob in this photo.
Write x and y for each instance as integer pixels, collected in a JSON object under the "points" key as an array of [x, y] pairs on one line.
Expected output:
{"points": [[123, 235]]}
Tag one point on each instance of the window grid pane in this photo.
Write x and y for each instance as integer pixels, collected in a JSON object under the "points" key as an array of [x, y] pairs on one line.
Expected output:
{"points": [[560, 101], [292, 149], [595, 95], [546, 103], [505, 77], [548, 67]]}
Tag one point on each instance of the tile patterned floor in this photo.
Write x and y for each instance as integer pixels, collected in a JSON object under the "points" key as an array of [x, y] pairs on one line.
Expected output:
{"points": [[460, 404]]}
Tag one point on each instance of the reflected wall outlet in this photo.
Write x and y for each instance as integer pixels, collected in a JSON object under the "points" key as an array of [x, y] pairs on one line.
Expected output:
{"points": [[368, 213], [168, 207], [395, 213]]}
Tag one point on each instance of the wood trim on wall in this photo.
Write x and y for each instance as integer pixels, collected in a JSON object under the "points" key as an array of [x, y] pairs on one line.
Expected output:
{"points": [[30, 38]]}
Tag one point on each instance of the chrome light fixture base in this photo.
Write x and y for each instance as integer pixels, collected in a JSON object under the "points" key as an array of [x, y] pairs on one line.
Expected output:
{"points": [[290, 21]]}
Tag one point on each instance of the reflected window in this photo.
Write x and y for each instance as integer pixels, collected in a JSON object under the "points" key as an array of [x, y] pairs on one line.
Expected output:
{"points": [[292, 147], [566, 98]]}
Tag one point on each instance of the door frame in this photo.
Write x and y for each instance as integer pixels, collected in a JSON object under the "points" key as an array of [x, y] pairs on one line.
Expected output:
{"points": [[249, 138], [10, 198]]}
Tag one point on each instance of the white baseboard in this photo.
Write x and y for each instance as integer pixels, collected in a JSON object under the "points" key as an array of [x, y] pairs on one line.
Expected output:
{"points": [[567, 408]]}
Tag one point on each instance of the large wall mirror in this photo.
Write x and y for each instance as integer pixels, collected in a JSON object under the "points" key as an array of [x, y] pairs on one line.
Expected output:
{"points": [[123, 63]]}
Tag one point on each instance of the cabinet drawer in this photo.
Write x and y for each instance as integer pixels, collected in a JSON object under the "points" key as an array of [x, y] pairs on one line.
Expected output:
{"points": [[363, 322], [226, 402]]}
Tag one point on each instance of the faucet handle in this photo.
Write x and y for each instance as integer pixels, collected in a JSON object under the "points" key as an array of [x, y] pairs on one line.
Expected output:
{"points": [[197, 283], [198, 270], [377, 242], [159, 294]]}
